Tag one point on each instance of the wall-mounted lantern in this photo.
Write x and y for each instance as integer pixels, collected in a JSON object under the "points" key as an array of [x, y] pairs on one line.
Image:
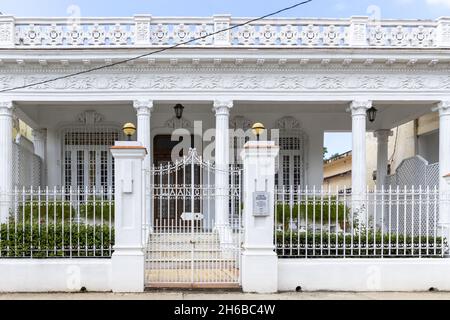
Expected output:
{"points": [[372, 114], [179, 108]]}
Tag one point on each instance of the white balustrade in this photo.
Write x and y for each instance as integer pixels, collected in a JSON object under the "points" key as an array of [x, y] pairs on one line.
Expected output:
{"points": [[285, 32]]}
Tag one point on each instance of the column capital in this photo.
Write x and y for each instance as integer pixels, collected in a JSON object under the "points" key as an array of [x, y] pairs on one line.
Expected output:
{"points": [[143, 107], [6, 108], [360, 107], [383, 134], [223, 107], [443, 108]]}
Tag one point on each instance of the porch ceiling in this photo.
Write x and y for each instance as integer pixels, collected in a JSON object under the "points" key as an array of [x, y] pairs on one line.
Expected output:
{"points": [[52, 114], [390, 113]]}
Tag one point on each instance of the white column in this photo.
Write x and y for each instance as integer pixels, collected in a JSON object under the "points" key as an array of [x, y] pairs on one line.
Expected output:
{"points": [[6, 157], [40, 149], [444, 166], [222, 162], [359, 165], [382, 155], [144, 110], [259, 259], [128, 270], [382, 166]]}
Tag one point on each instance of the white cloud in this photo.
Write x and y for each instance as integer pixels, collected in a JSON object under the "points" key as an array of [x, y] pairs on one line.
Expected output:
{"points": [[439, 2]]}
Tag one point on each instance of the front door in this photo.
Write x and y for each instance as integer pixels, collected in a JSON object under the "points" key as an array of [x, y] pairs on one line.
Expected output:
{"points": [[173, 186]]}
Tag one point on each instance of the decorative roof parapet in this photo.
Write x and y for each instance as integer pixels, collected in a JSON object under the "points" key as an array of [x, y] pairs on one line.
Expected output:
{"points": [[143, 31]]}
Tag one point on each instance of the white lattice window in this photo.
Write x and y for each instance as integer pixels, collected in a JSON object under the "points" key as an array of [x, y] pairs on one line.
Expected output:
{"points": [[87, 159], [292, 162]]}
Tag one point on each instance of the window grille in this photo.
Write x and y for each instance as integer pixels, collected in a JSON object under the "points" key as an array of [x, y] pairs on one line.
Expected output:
{"points": [[292, 161], [87, 159]]}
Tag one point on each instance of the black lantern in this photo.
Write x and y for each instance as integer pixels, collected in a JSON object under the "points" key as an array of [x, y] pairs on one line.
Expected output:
{"points": [[179, 108], [372, 114]]}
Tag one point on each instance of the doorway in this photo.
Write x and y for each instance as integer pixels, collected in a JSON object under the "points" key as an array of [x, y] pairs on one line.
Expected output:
{"points": [[173, 184]]}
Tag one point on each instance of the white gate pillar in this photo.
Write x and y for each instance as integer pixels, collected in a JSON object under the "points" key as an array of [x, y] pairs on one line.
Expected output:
{"points": [[40, 149], [444, 166], [144, 110], [259, 259], [222, 163], [6, 157], [359, 165], [128, 259]]}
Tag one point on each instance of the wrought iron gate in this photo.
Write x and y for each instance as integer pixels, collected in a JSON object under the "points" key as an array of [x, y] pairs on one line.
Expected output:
{"points": [[187, 246]]}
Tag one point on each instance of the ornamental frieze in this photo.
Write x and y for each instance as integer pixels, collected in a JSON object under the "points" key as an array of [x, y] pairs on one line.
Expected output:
{"points": [[263, 82]]}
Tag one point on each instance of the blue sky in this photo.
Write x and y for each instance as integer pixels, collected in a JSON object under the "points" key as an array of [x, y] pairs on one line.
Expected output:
{"points": [[422, 9], [337, 142], [386, 9]]}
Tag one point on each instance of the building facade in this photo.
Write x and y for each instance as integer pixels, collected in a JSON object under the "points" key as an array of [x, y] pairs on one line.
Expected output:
{"points": [[75, 83]]}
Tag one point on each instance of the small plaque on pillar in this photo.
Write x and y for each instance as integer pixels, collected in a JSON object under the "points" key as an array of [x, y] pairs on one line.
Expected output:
{"points": [[261, 204]]}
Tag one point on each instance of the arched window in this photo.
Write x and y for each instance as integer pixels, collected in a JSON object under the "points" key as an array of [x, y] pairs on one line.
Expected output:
{"points": [[292, 161]]}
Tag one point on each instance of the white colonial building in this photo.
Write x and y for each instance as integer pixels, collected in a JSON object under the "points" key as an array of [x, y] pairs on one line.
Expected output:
{"points": [[300, 76]]}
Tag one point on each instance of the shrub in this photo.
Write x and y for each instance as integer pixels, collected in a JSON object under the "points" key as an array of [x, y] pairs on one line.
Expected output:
{"points": [[55, 240], [312, 211], [33, 211], [59, 211], [101, 211], [364, 245]]}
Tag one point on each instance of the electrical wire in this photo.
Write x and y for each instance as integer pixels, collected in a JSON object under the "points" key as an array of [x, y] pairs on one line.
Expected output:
{"points": [[110, 65]]}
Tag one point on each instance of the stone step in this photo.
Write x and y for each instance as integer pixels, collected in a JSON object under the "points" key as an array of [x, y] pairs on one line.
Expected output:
{"points": [[182, 241], [184, 255], [187, 264], [154, 237], [183, 246]]}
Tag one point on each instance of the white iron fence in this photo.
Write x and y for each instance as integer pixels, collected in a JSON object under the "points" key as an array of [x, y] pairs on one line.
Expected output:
{"points": [[57, 223], [318, 223]]}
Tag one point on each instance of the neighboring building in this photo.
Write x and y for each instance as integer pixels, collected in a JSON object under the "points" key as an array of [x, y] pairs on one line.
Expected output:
{"points": [[337, 172], [21, 128], [419, 137]]}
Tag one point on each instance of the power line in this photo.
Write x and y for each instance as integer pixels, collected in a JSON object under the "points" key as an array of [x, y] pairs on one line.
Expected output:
{"points": [[110, 65]]}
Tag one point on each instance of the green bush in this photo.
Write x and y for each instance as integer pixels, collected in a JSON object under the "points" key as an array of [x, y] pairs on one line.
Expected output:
{"points": [[364, 245], [327, 211], [101, 211], [33, 211], [56, 211], [55, 240]]}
